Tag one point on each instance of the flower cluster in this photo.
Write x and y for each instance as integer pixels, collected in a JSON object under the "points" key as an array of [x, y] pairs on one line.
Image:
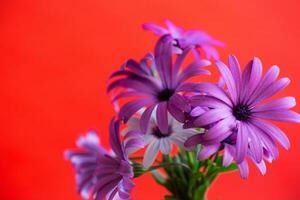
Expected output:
{"points": [[165, 109]]}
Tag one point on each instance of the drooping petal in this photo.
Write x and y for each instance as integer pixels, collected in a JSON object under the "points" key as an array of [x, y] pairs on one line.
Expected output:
{"points": [[207, 151], [114, 139], [228, 155], [255, 145], [241, 142], [162, 117], [193, 141], [261, 167], [145, 118], [244, 169], [180, 102], [132, 107]]}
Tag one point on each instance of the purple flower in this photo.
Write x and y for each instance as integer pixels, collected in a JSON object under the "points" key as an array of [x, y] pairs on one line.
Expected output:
{"points": [[99, 174], [237, 117], [160, 141], [183, 39], [158, 84]]}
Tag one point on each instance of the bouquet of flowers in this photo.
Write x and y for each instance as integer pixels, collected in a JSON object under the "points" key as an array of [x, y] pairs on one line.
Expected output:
{"points": [[191, 131]]}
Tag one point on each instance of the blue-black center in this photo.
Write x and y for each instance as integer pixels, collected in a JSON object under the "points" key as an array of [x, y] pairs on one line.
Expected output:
{"points": [[165, 94], [242, 112], [158, 134]]}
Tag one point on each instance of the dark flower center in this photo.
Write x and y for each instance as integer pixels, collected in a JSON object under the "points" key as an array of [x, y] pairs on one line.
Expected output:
{"points": [[242, 112], [165, 94], [158, 134], [177, 44]]}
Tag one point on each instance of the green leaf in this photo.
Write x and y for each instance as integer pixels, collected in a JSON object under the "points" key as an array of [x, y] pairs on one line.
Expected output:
{"points": [[231, 167], [170, 198], [158, 177], [138, 169], [200, 192]]}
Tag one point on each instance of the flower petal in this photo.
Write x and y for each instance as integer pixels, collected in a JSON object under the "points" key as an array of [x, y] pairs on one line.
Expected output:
{"points": [[207, 151], [278, 104], [244, 169], [273, 132], [162, 117], [228, 155], [151, 153], [228, 78], [279, 115], [241, 142], [145, 118]]}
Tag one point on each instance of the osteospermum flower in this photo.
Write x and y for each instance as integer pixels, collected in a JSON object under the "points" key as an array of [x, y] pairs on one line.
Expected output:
{"points": [[159, 87], [237, 116], [183, 39], [99, 174], [158, 141]]}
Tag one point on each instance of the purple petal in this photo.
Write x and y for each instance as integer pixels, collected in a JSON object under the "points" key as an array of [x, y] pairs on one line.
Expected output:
{"points": [[244, 169], [273, 132], [235, 71], [180, 102], [229, 79], [264, 83], [193, 141], [162, 117], [179, 60], [211, 116], [279, 115], [219, 132], [207, 151], [241, 142], [177, 113], [261, 167], [193, 70], [213, 90], [175, 31], [207, 101], [163, 60], [250, 78], [278, 104], [228, 155], [132, 107], [114, 139], [106, 185], [145, 118], [271, 90], [158, 30], [255, 145], [197, 111]]}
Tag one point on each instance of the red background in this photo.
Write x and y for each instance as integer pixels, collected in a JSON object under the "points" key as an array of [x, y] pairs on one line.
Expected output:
{"points": [[55, 57]]}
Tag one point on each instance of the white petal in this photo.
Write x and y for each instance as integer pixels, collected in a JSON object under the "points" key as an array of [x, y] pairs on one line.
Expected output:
{"points": [[151, 153]]}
